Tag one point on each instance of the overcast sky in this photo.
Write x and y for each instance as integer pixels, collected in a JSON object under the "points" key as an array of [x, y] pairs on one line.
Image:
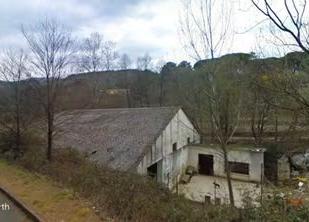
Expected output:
{"points": [[137, 26]]}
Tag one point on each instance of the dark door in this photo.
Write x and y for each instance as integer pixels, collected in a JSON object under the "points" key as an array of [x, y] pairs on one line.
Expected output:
{"points": [[206, 164]]}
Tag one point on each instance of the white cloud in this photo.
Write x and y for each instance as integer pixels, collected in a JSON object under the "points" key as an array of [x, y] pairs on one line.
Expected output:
{"points": [[150, 28], [138, 26]]}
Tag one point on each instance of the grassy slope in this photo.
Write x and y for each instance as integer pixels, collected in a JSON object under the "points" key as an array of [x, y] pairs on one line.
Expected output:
{"points": [[48, 199]]}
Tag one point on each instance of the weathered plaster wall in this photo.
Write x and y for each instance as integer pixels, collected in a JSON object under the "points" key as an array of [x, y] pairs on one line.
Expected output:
{"points": [[172, 164], [254, 159], [284, 171]]}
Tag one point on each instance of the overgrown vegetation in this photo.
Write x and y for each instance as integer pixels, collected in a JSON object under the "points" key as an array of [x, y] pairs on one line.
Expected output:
{"points": [[215, 91], [124, 196]]}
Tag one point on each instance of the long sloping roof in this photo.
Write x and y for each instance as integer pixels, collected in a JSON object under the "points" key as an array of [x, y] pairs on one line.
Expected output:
{"points": [[118, 138]]}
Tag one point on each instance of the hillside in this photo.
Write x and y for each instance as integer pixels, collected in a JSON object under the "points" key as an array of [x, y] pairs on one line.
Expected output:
{"points": [[179, 85]]}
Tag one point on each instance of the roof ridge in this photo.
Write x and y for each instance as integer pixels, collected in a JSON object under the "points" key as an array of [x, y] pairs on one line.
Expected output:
{"points": [[133, 108]]}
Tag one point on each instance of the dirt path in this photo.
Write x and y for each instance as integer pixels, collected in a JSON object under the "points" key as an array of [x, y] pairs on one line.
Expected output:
{"points": [[52, 202]]}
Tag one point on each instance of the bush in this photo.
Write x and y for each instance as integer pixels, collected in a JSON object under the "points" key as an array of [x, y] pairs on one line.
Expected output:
{"points": [[33, 159], [274, 208], [28, 139], [125, 196]]}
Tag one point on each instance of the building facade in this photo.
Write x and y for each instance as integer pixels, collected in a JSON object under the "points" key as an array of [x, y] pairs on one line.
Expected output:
{"points": [[160, 142], [246, 163], [168, 157]]}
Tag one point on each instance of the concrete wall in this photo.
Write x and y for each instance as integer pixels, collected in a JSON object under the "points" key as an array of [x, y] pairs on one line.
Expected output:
{"points": [[172, 164], [254, 159], [283, 168]]}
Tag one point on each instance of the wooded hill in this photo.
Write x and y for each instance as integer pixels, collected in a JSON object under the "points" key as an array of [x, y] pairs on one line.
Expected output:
{"points": [[252, 80]]}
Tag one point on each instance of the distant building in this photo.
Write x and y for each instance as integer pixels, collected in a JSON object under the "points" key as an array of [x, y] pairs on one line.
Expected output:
{"points": [[114, 97], [116, 91]]}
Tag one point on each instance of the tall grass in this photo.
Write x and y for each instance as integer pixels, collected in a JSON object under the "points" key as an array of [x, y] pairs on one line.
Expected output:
{"points": [[124, 196]]}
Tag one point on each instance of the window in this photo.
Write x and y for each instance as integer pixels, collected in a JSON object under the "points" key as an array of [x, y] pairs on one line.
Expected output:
{"points": [[237, 167], [174, 147], [188, 140]]}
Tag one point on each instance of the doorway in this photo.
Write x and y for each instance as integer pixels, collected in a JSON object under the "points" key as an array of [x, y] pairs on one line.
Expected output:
{"points": [[152, 170], [206, 164]]}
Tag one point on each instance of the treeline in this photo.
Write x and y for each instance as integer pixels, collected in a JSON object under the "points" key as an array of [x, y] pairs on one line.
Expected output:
{"points": [[234, 95], [94, 53], [264, 89]]}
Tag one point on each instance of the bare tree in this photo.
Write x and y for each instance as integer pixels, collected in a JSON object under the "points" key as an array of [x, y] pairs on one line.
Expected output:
{"points": [[52, 48], [13, 69], [204, 32], [289, 25], [292, 20], [143, 62], [205, 26], [225, 91], [96, 54], [124, 61], [109, 55], [91, 53], [259, 111]]}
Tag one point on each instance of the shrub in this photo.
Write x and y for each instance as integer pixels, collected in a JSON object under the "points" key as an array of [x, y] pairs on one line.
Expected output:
{"points": [[28, 139], [125, 196]]}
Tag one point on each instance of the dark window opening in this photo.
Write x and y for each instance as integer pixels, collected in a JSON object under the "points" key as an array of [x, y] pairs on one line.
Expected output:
{"points": [[188, 140], [237, 167], [206, 164], [174, 147], [152, 170]]}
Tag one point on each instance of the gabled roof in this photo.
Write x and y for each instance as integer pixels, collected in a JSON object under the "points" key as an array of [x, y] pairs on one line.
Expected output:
{"points": [[118, 138]]}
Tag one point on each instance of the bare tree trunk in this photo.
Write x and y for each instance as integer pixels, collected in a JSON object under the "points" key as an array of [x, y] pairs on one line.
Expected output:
{"points": [[52, 48], [13, 67], [49, 122], [128, 91], [17, 119], [276, 127], [212, 125], [128, 98], [161, 90], [18, 136], [228, 175], [49, 135]]}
